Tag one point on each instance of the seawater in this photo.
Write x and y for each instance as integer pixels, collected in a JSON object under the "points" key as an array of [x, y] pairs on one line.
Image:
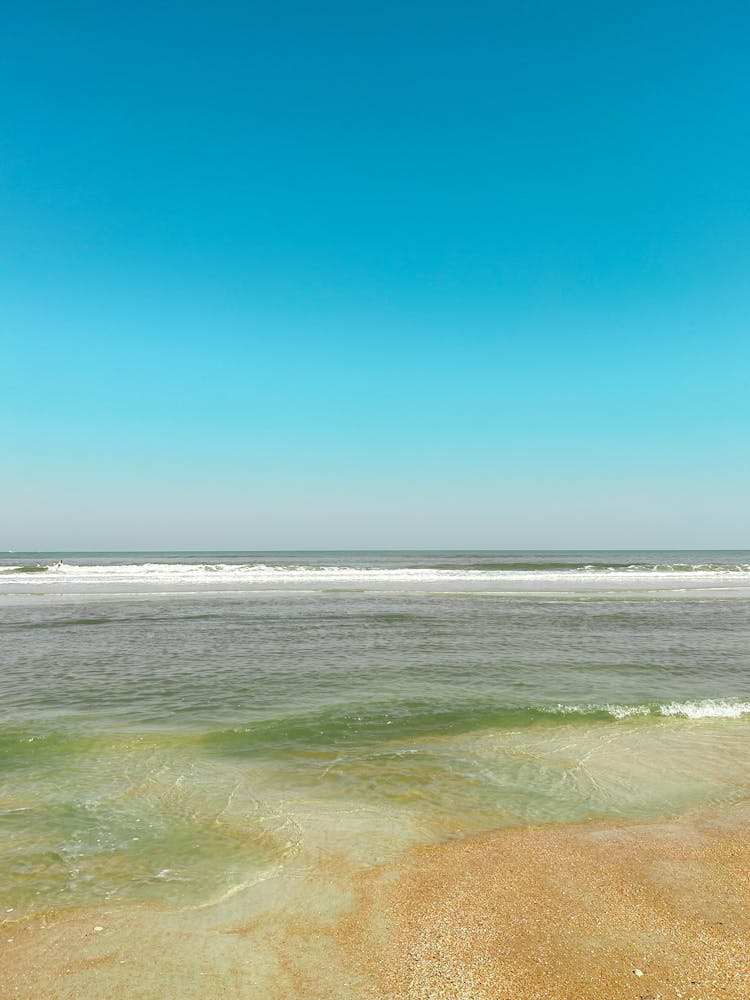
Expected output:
{"points": [[178, 727]]}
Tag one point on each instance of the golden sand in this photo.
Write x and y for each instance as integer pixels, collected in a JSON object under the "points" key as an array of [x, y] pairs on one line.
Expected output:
{"points": [[592, 912], [647, 911]]}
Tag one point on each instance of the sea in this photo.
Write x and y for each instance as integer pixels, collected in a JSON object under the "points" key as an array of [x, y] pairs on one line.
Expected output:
{"points": [[177, 728]]}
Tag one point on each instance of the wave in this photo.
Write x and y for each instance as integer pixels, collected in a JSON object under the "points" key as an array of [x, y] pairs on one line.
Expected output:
{"points": [[546, 566], [343, 726], [360, 726], [264, 572], [23, 569], [707, 709]]}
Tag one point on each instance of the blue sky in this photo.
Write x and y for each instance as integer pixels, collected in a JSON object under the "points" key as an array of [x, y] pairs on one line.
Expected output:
{"points": [[374, 275]]}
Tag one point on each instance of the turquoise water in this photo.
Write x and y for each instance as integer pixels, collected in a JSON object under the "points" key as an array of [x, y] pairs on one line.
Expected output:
{"points": [[177, 727]]}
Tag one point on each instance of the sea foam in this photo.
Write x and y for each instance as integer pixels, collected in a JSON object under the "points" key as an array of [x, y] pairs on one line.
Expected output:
{"points": [[707, 709]]}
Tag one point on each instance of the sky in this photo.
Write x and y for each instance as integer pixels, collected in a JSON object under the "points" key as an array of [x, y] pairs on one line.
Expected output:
{"points": [[374, 275]]}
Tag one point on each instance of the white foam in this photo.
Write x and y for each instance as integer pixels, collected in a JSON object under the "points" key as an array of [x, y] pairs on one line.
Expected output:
{"points": [[263, 572], [161, 576], [616, 711], [624, 711], [707, 709]]}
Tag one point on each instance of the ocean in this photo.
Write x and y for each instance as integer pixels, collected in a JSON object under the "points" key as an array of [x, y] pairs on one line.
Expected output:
{"points": [[178, 728]]}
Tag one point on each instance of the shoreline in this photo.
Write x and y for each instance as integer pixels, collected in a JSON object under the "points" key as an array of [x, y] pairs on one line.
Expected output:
{"points": [[601, 910]]}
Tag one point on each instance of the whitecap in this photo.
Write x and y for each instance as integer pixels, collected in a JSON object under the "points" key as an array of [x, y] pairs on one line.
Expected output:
{"points": [[707, 709]]}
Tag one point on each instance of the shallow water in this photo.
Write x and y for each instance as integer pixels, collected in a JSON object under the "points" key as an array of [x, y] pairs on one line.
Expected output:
{"points": [[178, 727]]}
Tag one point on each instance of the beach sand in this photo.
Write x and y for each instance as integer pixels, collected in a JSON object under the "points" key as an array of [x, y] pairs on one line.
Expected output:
{"points": [[600, 911]]}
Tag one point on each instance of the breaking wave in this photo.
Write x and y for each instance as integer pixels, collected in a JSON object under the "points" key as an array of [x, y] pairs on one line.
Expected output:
{"points": [[707, 709], [286, 573]]}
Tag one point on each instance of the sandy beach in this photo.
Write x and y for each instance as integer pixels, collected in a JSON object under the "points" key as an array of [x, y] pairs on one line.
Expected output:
{"points": [[600, 911], [647, 911]]}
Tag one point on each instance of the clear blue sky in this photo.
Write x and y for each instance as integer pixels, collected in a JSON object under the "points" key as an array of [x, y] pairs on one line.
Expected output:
{"points": [[374, 275]]}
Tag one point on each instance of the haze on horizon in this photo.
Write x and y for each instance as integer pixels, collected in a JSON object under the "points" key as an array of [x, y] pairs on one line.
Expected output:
{"points": [[374, 276]]}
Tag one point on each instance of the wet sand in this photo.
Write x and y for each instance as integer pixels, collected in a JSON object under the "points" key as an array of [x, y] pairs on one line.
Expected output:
{"points": [[600, 911]]}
